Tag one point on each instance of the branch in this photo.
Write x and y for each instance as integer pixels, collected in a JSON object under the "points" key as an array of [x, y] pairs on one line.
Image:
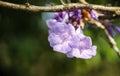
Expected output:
{"points": [[111, 40], [83, 1], [57, 8], [109, 17]]}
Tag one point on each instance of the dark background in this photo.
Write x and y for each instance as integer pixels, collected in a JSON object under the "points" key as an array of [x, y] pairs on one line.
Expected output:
{"points": [[25, 50]]}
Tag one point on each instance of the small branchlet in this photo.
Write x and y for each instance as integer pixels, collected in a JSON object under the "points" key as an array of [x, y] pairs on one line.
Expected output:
{"points": [[27, 3], [110, 38]]}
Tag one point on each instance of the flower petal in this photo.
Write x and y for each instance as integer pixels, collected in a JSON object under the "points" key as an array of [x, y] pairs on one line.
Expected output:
{"points": [[63, 48], [117, 29], [93, 14], [110, 31], [54, 39]]}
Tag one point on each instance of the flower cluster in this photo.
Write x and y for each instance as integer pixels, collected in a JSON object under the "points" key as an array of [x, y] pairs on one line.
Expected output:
{"points": [[66, 35]]}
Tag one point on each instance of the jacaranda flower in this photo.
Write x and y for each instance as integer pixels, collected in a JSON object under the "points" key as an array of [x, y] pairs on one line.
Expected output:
{"points": [[60, 35], [93, 14], [116, 28], [74, 17], [112, 27], [81, 46], [67, 39], [110, 30]]}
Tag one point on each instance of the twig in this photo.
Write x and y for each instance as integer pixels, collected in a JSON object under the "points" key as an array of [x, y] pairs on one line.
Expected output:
{"points": [[97, 23], [57, 8], [83, 1], [109, 17], [62, 2], [96, 12], [110, 38], [113, 42]]}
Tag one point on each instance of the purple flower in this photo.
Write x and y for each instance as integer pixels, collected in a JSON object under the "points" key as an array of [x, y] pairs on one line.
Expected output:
{"points": [[74, 16], [93, 14], [61, 16], [110, 30], [81, 47], [116, 28], [60, 35], [76, 13], [67, 39]]}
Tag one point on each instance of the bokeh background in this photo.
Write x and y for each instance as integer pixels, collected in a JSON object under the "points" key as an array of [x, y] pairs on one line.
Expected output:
{"points": [[25, 50]]}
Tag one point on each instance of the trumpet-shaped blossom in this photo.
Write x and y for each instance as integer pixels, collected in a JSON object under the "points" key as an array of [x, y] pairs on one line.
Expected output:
{"points": [[116, 28], [81, 46], [110, 29], [67, 39], [93, 14], [60, 35]]}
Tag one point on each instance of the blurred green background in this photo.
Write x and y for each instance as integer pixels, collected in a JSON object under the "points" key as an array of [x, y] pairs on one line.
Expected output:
{"points": [[25, 50]]}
